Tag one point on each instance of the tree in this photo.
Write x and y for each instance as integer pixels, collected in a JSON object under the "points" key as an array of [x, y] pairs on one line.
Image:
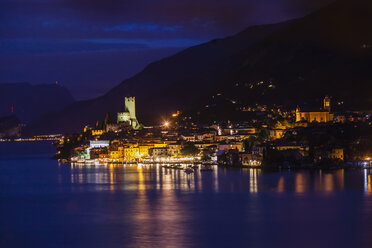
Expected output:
{"points": [[80, 153], [208, 152], [108, 119], [99, 125], [263, 134], [189, 149], [249, 143]]}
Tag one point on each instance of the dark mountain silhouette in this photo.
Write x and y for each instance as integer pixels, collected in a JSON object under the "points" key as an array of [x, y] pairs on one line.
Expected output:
{"points": [[10, 127], [29, 102], [325, 53]]}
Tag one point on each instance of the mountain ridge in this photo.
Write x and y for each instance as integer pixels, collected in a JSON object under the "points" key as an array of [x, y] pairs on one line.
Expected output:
{"points": [[305, 58], [30, 102]]}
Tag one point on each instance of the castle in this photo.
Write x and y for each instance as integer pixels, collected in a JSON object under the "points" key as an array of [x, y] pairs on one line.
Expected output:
{"points": [[129, 116], [317, 116]]}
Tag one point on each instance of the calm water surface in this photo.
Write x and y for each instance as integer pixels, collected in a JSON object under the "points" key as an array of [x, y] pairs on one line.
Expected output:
{"points": [[46, 204]]}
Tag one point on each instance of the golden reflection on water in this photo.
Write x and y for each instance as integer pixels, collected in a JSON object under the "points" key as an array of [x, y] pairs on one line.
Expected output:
{"points": [[281, 185], [135, 176], [253, 180], [157, 196], [330, 181], [301, 183], [112, 182], [141, 181], [215, 175], [173, 216], [166, 211], [144, 177], [367, 182], [341, 179]]}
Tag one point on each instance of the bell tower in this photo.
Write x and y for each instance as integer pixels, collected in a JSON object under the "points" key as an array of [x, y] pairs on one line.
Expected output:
{"points": [[327, 104]]}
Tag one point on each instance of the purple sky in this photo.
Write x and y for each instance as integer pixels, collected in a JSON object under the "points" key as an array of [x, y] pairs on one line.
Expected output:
{"points": [[92, 45]]}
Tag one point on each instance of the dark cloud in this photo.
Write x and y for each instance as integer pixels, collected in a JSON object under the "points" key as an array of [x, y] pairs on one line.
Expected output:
{"points": [[60, 28], [203, 18]]}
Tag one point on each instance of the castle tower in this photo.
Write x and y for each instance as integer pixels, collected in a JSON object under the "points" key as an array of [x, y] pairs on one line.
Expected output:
{"points": [[327, 104], [130, 106], [129, 116]]}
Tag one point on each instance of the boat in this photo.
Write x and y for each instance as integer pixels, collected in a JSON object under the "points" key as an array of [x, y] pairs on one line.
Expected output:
{"points": [[189, 170]]}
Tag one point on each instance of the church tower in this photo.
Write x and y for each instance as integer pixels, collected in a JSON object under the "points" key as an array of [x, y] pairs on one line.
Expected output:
{"points": [[327, 104]]}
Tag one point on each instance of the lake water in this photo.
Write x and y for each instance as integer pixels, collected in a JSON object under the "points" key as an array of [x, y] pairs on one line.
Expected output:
{"points": [[46, 204]]}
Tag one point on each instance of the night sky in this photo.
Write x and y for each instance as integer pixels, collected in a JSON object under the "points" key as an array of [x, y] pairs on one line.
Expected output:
{"points": [[89, 46]]}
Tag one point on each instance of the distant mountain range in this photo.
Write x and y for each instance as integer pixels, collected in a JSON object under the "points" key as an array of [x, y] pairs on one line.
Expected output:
{"points": [[328, 52], [30, 102], [10, 127]]}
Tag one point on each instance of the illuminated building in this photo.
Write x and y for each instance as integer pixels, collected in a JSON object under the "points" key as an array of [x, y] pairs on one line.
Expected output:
{"points": [[174, 150], [232, 146], [303, 150], [221, 138], [240, 130], [203, 146], [131, 153], [327, 104], [144, 150], [316, 116], [129, 116], [97, 132], [245, 158], [96, 146], [189, 138], [96, 152], [337, 153], [284, 125], [159, 145], [99, 143], [276, 134], [158, 152], [313, 116], [116, 155], [103, 156]]}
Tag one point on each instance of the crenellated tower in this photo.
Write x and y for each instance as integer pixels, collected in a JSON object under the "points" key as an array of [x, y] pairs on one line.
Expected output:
{"points": [[129, 116], [130, 106]]}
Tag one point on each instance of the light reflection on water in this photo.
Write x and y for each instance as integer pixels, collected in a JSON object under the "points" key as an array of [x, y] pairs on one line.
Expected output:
{"points": [[153, 222], [367, 182], [63, 205], [149, 177]]}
